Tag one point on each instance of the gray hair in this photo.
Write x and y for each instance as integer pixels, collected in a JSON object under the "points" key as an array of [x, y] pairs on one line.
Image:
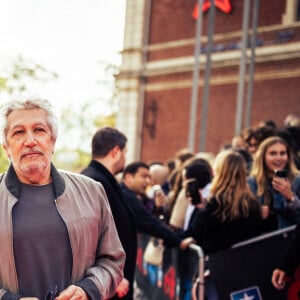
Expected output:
{"points": [[33, 102]]}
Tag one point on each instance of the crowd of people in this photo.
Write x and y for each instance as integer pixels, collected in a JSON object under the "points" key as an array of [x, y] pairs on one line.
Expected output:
{"points": [[67, 235]]}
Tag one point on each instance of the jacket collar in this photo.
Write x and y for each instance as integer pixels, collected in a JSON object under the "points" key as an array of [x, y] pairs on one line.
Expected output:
{"points": [[127, 190], [99, 167], [14, 185]]}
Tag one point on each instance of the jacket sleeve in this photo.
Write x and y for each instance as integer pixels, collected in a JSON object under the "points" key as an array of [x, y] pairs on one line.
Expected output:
{"points": [[203, 227], [296, 189], [98, 256], [149, 224], [290, 258]]}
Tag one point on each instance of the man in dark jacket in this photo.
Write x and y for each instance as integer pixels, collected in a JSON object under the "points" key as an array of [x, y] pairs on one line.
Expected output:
{"points": [[109, 147], [136, 178], [108, 159]]}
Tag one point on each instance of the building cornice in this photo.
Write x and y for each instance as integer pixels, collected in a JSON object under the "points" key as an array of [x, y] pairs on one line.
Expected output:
{"points": [[221, 80], [219, 60], [217, 38]]}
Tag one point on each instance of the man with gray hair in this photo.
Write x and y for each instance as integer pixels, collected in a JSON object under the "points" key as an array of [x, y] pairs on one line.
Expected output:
{"points": [[57, 234]]}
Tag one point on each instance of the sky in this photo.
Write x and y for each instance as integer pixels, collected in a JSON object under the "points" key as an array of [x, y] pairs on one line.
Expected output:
{"points": [[68, 37]]}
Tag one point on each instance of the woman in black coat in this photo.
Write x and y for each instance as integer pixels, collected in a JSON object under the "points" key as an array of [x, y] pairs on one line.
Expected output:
{"points": [[232, 213]]}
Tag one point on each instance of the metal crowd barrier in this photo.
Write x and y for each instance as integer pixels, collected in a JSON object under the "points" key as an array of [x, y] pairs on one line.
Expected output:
{"points": [[241, 272], [200, 279]]}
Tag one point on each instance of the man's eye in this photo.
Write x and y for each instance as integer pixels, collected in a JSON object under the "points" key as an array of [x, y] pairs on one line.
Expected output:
{"points": [[18, 132], [39, 129]]}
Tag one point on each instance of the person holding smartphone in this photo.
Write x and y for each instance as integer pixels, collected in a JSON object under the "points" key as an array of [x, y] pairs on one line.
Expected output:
{"points": [[275, 180], [198, 174], [232, 212]]}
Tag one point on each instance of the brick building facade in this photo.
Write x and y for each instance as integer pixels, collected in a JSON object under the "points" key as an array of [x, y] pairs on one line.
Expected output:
{"points": [[155, 79]]}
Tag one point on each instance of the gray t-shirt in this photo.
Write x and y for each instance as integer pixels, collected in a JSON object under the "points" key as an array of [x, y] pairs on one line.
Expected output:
{"points": [[42, 247]]}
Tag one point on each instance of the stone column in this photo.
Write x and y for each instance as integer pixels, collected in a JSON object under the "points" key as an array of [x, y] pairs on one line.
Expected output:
{"points": [[130, 80]]}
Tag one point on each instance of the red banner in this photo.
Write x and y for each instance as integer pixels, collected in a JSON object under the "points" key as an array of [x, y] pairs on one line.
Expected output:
{"points": [[223, 5]]}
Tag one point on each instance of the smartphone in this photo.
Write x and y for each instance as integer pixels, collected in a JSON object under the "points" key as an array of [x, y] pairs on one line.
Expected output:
{"points": [[192, 190], [281, 173], [157, 190]]}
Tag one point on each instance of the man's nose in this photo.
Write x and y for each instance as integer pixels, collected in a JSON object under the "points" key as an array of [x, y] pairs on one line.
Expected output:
{"points": [[30, 140]]}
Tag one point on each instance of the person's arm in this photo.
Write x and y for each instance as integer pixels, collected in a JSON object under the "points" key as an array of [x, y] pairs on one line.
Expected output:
{"points": [[149, 224], [290, 258], [284, 187], [9, 296], [288, 262], [101, 280], [279, 279], [205, 225], [123, 288], [72, 292]]}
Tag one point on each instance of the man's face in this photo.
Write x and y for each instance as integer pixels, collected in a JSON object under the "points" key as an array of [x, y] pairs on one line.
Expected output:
{"points": [[29, 145], [139, 181]]}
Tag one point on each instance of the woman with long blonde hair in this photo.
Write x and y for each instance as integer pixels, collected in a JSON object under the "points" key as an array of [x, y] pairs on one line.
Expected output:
{"points": [[232, 213], [275, 180]]}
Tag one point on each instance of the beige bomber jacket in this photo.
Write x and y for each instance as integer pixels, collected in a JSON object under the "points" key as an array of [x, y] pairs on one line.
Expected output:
{"points": [[83, 205]]}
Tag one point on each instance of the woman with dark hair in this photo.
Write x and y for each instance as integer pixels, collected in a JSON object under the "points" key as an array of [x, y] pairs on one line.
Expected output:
{"points": [[197, 177], [254, 136]]}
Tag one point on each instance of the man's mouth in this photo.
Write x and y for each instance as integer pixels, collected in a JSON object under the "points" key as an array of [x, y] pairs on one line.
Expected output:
{"points": [[32, 154]]}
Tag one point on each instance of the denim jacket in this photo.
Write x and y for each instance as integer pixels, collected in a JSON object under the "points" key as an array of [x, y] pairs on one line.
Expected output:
{"points": [[288, 212]]}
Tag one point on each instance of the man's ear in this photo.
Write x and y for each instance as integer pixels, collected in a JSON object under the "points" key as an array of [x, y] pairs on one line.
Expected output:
{"points": [[5, 150], [128, 178], [115, 151]]}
